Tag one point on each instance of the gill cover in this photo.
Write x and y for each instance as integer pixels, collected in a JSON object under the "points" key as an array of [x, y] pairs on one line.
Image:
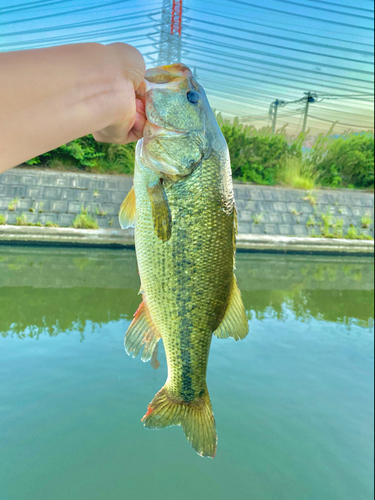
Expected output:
{"points": [[175, 137]]}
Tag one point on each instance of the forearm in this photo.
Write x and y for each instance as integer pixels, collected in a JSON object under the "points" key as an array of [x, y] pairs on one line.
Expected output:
{"points": [[51, 96]]}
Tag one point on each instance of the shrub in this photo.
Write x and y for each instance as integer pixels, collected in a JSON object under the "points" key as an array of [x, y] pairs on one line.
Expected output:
{"points": [[256, 155], [87, 154], [3, 220], [345, 161]]}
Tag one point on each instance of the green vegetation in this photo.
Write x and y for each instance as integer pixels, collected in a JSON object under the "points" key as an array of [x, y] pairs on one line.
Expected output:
{"points": [[366, 222], [51, 224], [13, 205], [296, 173], [296, 212], [346, 161], [85, 221], [256, 155], [257, 218], [100, 212], [3, 220], [353, 234], [311, 222], [22, 220], [312, 199], [87, 154]]}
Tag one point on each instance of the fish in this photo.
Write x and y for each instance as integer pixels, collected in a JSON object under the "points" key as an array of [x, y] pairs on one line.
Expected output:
{"points": [[183, 210]]}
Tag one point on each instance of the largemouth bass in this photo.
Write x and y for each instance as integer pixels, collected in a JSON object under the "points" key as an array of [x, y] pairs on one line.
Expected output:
{"points": [[183, 209]]}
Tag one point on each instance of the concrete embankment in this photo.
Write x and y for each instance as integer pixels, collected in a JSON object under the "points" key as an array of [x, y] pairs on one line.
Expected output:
{"points": [[117, 238], [270, 218]]}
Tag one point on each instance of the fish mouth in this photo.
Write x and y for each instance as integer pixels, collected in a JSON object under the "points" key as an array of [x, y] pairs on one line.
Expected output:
{"points": [[152, 130]]}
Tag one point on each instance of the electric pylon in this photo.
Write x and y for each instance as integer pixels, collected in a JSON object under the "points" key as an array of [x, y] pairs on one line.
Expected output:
{"points": [[170, 33]]}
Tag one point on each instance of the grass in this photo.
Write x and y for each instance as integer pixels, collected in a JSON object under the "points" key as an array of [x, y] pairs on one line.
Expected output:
{"points": [[100, 213], [22, 220], [311, 222], [366, 222], [257, 218], [3, 220], [85, 221], [13, 205], [49, 223], [297, 173], [312, 199], [296, 213], [353, 234]]}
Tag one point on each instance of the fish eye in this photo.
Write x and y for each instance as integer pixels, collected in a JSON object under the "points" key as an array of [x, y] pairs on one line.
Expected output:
{"points": [[193, 97]]}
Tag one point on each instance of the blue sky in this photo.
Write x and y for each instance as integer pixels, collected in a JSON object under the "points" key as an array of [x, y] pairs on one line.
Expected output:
{"points": [[246, 53]]}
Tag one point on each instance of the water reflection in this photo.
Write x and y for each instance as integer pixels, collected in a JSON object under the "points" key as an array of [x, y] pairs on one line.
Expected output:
{"points": [[49, 291]]}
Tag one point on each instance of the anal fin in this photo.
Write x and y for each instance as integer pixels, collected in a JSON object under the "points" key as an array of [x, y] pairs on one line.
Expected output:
{"points": [[142, 334], [127, 211], [235, 322]]}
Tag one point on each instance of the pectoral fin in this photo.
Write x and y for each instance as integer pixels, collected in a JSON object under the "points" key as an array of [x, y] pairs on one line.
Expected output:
{"points": [[161, 213], [142, 334], [127, 211], [235, 322]]}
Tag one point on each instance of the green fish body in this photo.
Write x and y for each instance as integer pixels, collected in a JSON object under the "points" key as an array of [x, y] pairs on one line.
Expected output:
{"points": [[185, 225]]}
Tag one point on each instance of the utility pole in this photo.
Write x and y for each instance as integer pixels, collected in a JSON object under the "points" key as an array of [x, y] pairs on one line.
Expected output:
{"points": [[170, 33], [273, 112], [310, 99]]}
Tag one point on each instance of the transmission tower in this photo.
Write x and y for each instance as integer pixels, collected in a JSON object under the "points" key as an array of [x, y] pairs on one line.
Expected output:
{"points": [[170, 33]]}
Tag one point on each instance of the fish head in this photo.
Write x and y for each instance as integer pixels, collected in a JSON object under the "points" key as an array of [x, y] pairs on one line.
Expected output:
{"points": [[176, 137]]}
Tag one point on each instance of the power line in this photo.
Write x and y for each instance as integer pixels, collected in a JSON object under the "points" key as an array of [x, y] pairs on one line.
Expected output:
{"points": [[245, 90], [316, 34], [83, 9], [261, 7], [80, 36], [293, 24], [82, 24], [340, 5], [278, 37], [280, 56], [30, 5], [251, 68], [323, 9], [253, 71], [283, 66], [338, 123]]}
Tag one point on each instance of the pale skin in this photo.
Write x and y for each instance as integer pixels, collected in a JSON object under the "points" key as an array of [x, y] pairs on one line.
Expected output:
{"points": [[51, 96]]}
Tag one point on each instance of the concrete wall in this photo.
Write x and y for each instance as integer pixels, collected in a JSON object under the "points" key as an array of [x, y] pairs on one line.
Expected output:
{"points": [[59, 197]]}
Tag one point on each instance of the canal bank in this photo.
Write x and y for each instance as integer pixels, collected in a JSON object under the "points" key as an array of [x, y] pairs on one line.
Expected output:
{"points": [[269, 218]]}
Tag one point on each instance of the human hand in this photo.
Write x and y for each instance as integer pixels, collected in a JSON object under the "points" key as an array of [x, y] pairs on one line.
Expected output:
{"points": [[128, 97]]}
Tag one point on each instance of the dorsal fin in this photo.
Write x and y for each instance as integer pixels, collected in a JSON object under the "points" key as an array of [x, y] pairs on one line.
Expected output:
{"points": [[235, 322], [161, 213], [142, 334], [127, 211]]}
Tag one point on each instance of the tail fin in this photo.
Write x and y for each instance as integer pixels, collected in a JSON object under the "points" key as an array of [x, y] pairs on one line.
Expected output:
{"points": [[196, 419]]}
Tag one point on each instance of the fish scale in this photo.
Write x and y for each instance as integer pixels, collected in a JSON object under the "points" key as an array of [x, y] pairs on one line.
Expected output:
{"points": [[194, 268], [185, 222]]}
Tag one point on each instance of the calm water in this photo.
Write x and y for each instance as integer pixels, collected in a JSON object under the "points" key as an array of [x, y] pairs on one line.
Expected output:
{"points": [[293, 402]]}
